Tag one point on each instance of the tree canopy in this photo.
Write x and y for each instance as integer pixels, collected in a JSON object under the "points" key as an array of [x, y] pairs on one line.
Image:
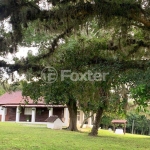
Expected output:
{"points": [[110, 35]]}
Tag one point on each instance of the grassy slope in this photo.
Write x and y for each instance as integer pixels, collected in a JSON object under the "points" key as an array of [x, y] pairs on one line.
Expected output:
{"points": [[20, 137]]}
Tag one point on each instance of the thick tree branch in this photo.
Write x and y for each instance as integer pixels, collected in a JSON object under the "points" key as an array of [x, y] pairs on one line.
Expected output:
{"points": [[54, 45], [140, 18], [114, 65], [120, 65], [19, 67], [79, 13]]}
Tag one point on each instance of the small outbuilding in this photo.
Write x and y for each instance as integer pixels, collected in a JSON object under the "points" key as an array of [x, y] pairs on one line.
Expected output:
{"points": [[54, 122], [119, 131]]}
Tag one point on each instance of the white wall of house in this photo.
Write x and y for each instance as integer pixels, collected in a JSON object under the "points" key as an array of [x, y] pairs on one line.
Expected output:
{"points": [[80, 118], [1, 110], [66, 117]]}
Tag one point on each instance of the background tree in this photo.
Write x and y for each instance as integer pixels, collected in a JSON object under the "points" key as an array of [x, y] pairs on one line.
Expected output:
{"points": [[2, 91], [138, 123]]}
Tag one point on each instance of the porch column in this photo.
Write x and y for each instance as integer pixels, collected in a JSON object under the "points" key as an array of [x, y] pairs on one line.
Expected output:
{"points": [[90, 120], [66, 116], [17, 114], [3, 114], [50, 112], [33, 114], [83, 116]]}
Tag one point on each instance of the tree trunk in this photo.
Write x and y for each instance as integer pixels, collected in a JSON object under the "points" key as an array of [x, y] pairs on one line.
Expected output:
{"points": [[83, 122], [104, 103], [98, 117], [72, 107], [142, 131]]}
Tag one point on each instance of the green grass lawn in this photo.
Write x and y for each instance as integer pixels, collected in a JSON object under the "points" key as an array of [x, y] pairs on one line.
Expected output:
{"points": [[14, 136]]}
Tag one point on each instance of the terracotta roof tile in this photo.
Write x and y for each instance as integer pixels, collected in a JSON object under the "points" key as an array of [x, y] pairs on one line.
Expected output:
{"points": [[15, 98]]}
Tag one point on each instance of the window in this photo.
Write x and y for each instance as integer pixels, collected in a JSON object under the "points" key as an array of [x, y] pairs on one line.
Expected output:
{"points": [[78, 115], [28, 111]]}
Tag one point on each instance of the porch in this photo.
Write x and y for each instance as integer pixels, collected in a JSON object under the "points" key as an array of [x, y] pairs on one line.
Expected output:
{"points": [[33, 114]]}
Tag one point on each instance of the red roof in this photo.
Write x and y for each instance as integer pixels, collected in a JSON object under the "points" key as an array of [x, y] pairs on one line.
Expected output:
{"points": [[119, 121], [15, 98]]}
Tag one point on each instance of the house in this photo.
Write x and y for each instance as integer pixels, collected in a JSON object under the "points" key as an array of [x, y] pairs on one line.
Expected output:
{"points": [[54, 122], [13, 107]]}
